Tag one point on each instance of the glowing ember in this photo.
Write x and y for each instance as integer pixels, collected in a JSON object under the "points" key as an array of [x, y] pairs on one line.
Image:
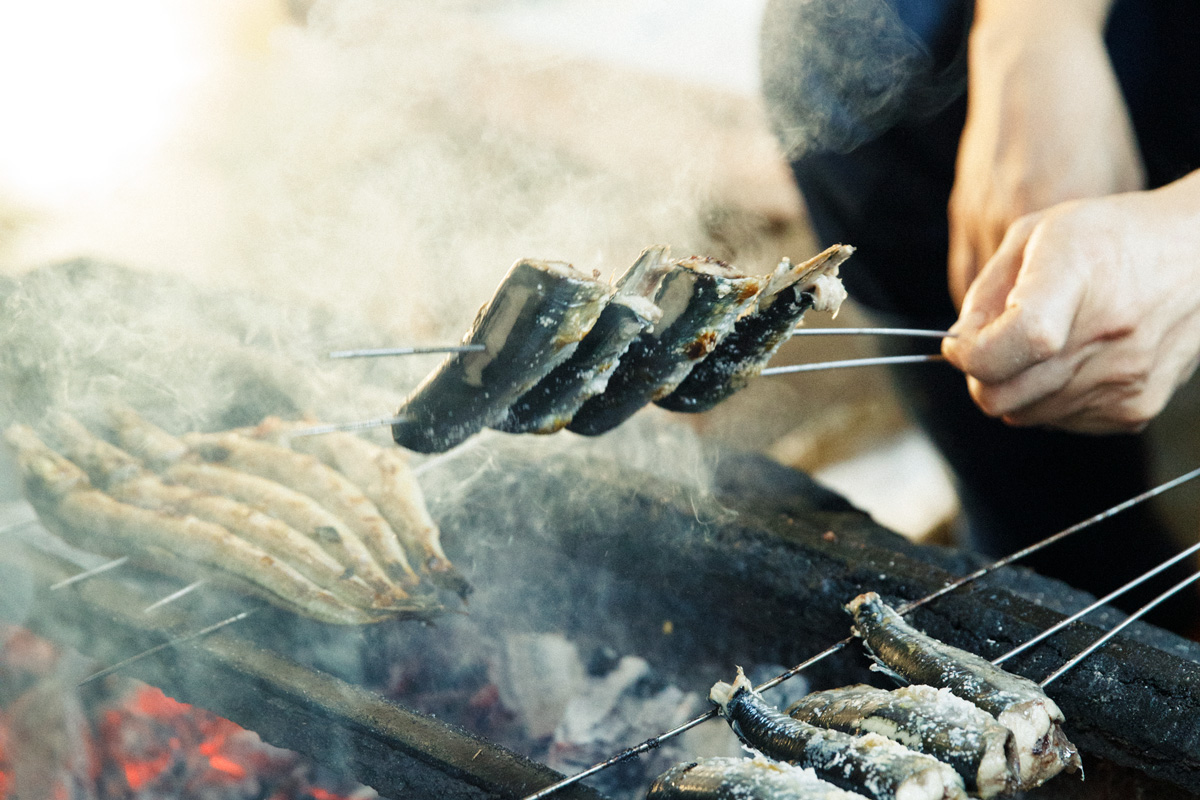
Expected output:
{"points": [[140, 745]]}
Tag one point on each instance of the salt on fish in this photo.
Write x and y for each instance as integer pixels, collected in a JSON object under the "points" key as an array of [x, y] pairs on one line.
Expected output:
{"points": [[1017, 703]]}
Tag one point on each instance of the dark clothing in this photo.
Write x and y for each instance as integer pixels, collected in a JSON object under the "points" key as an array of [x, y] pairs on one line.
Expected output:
{"points": [[877, 173]]}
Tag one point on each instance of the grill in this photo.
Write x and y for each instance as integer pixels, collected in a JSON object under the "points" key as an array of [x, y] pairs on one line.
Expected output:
{"points": [[738, 586]]}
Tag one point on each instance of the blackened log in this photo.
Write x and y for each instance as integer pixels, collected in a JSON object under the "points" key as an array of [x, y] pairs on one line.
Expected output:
{"points": [[756, 580]]}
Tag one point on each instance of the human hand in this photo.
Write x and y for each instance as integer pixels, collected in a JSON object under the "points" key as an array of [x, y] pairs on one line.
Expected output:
{"points": [[1046, 123], [1087, 318]]}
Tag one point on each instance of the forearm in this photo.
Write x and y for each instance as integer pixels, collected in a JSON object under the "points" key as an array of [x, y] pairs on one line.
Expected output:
{"points": [[1043, 16]]}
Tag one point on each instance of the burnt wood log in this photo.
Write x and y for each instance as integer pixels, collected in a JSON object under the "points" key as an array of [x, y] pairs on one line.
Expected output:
{"points": [[745, 578]]}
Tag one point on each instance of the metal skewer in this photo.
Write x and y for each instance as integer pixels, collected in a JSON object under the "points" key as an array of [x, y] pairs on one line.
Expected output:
{"points": [[873, 361], [373, 352], [89, 573], [915, 332], [334, 427], [376, 352], [171, 643], [380, 422], [1083, 612], [653, 743], [173, 596], [1087, 651]]}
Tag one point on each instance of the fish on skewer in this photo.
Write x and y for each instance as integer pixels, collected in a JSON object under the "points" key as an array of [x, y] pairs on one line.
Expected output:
{"points": [[869, 764], [187, 547], [534, 322], [172, 458], [701, 299], [553, 401], [743, 779], [1017, 703], [757, 336], [931, 721], [385, 477], [125, 479], [306, 474]]}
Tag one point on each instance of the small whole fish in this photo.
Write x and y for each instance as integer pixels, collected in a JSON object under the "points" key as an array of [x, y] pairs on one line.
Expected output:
{"points": [[701, 299], [307, 475], [384, 476], [1017, 703], [189, 547], [741, 356], [931, 721], [534, 322], [870, 764], [177, 463], [126, 481], [553, 401], [743, 779]]}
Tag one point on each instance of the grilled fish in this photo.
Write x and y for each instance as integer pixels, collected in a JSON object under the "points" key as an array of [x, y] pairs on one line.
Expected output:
{"points": [[534, 322], [740, 356], [928, 720], [87, 517], [552, 403], [1017, 703], [384, 476], [125, 480], [326, 486], [701, 299], [868, 764], [743, 779], [178, 464]]}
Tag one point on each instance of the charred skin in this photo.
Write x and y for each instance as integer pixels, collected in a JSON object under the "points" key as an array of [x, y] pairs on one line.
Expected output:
{"points": [[870, 764], [743, 779], [552, 403], [756, 337], [534, 322], [701, 299], [1017, 703], [930, 721]]}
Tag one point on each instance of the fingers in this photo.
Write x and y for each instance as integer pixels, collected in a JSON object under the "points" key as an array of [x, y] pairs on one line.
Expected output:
{"points": [[1008, 321]]}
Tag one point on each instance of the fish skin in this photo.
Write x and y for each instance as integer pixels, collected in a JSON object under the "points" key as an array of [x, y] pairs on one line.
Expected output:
{"points": [[534, 322], [177, 463], [329, 488], [756, 337], [870, 764], [659, 360], [552, 403], [931, 721], [742, 779], [918, 658], [88, 518]]}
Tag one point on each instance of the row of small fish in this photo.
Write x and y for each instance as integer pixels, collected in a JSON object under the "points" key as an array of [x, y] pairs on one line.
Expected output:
{"points": [[339, 533], [962, 726], [564, 350]]}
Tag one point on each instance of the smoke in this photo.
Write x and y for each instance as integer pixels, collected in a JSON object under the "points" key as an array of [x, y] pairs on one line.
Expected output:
{"points": [[392, 159], [837, 73]]}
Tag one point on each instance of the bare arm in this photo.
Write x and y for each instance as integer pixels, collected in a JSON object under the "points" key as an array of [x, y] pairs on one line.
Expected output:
{"points": [[1046, 123]]}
